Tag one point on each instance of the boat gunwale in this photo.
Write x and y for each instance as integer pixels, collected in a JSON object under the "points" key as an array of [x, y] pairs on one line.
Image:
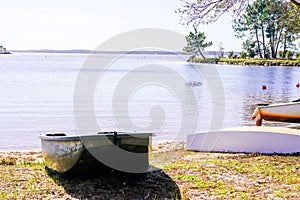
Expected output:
{"points": [[94, 136], [279, 104]]}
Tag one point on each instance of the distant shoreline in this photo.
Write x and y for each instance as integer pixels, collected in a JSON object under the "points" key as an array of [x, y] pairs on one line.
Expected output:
{"points": [[247, 62], [84, 51], [87, 51], [209, 60]]}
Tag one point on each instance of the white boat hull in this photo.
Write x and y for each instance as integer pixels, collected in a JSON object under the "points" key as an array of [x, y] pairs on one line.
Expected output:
{"points": [[247, 140]]}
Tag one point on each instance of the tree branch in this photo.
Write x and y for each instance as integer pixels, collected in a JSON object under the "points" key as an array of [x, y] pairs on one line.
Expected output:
{"points": [[198, 12]]}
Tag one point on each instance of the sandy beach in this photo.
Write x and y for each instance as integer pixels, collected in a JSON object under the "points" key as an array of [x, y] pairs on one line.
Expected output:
{"points": [[181, 175]]}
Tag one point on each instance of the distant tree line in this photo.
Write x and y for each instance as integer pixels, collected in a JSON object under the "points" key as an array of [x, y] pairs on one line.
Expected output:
{"points": [[266, 26]]}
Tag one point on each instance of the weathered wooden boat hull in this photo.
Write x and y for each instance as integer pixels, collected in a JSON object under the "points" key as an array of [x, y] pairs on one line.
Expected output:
{"points": [[267, 140], [284, 112], [63, 153]]}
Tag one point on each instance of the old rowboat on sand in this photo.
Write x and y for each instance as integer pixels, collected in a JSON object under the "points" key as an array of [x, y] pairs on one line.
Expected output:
{"points": [[283, 112], [127, 152]]}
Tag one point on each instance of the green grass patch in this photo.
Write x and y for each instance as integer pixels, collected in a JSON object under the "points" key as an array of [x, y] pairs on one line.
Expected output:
{"points": [[195, 174], [238, 176], [188, 177]]}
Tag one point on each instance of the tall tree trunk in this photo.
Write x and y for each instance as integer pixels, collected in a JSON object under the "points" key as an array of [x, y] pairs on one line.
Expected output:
{"points": [[201, 54], [272, 43], [258, 44], [264, 42], [284, 46], [278, 39]]}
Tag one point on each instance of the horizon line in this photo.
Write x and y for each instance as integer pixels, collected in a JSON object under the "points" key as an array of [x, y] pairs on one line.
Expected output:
{"points": [[95, 51]]}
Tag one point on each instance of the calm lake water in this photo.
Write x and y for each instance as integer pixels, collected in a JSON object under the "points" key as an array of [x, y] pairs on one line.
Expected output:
{"points": [[37, 95]]}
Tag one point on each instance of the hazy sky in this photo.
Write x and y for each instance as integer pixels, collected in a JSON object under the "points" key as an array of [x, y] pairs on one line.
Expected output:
{"points": [[85, 24]]}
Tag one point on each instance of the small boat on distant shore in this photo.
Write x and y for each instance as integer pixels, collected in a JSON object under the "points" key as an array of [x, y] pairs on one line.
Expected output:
{"points": [[5, 52], [283, 112], [127, 152]]}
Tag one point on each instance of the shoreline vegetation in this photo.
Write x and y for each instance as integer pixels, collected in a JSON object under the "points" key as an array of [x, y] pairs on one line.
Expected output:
{"points": [[181, 175], [240, 61]]}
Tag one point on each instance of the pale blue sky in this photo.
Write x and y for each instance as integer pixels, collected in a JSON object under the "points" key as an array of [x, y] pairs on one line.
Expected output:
{"points": [[78, 24]]}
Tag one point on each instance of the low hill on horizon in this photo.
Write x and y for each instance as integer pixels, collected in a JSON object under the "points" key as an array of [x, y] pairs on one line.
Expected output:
{"points": [[86, 51]]}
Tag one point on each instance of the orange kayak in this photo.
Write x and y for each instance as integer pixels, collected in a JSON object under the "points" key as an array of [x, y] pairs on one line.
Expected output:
{"points": [[283, 112]]}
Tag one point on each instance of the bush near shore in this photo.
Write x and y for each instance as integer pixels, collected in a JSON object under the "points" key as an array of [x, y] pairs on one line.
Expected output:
{"points": [[240, 61]]}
